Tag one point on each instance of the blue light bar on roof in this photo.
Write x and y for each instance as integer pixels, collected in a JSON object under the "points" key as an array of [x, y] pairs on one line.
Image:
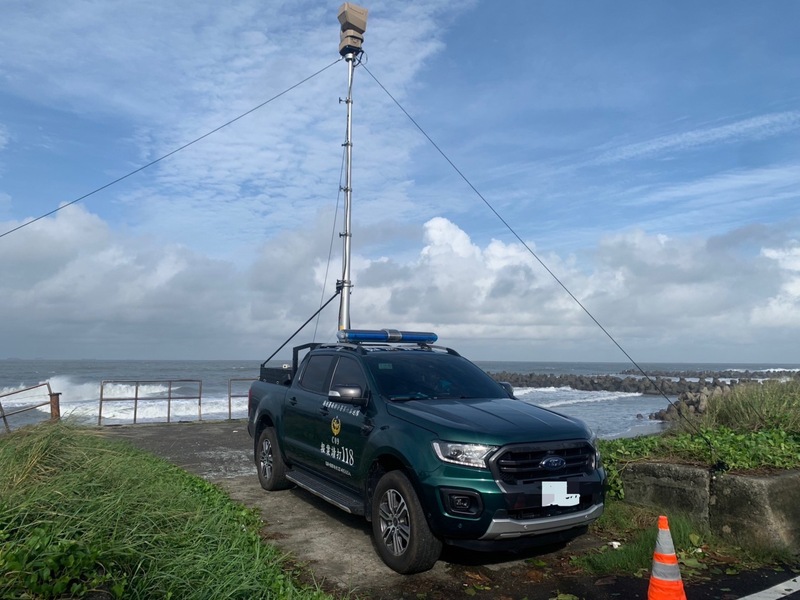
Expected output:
{"points": [[386, 335]]}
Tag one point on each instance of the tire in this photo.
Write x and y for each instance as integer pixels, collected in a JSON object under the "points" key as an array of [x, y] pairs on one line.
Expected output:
{"points": [[269, 463], [399, 529]]}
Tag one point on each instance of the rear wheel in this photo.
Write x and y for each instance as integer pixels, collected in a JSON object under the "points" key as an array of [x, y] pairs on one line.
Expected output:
{"points": [[402, 536], [271, 469]]}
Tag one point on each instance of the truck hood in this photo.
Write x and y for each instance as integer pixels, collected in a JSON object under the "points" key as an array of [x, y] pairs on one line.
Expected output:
{"points": [[494, 421]]}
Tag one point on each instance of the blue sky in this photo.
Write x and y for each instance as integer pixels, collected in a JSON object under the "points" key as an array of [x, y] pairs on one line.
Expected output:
{"points": [[648, 152]]}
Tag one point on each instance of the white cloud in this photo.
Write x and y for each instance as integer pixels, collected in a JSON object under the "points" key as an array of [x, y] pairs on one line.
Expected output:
{"points": [[783, 309], [655, 292], [73, 287], [775, 183], [3, 136], [142, 67], [754, 128], [276, 167]]}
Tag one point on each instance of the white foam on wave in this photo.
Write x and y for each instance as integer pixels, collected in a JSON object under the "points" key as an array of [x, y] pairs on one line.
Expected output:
{"points": [[151, 411], [73, 392], [212, 409], [765, 370], [129, 390], [609, 414], [81, 401], [28, 397], [519, 391], [566, 396]]}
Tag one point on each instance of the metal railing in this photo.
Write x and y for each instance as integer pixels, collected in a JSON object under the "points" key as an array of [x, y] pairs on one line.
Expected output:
{"points": [[106, 397], [169, 397], [53, 400], [231, 395]]}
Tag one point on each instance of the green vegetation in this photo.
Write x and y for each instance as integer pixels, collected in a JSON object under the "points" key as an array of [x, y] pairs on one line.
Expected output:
{"points": [[756, 407], [79, 513], [755, 428], [700, 553]]}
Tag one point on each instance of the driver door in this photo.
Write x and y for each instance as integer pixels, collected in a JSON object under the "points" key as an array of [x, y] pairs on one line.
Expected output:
{"points": [[344, 428]]}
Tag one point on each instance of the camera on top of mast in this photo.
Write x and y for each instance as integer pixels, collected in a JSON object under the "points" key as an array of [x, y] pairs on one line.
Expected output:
{"points": [[353, 19]]}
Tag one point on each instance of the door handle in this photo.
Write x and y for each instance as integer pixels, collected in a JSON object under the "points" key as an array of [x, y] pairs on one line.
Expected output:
{"points": [[323, 410], [293, 400]]}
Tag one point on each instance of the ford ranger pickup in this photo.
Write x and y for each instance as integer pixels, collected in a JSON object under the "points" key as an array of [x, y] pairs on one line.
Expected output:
{"points": [[425, 445]]}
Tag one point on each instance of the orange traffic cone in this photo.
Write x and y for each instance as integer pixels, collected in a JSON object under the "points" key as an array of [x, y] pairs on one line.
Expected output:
{"points": [[665, 578]]}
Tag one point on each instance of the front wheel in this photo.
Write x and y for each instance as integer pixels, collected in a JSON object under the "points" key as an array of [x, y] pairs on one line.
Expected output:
{"points": [[401, 534], [271, 470]]}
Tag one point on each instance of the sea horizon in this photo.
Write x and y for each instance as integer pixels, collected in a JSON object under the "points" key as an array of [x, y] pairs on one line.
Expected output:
{"points": [[720, 365], [79, 382]]}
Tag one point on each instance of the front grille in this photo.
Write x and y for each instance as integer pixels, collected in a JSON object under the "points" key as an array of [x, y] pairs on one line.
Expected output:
{"points": [[541, 512], [521, 464]]}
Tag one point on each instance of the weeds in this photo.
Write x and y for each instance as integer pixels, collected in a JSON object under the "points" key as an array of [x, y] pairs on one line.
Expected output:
{"points": [[80, 513], [700, 552], [755, 407]]}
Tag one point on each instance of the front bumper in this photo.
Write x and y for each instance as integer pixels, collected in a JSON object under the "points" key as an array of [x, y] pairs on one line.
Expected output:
{"points": [[506, 528], [508, 512]]}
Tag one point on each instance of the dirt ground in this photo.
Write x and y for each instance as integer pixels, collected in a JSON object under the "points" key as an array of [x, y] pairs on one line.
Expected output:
{"points": [[334, 549]]}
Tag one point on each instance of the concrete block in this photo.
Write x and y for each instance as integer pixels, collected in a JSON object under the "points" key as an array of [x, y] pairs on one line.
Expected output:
{"points": [[763, 510], [671, 488], [758, 510]]}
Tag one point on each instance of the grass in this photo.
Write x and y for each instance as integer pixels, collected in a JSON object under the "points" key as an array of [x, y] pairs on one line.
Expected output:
{"points": [[755, 407], [700, 552], [756, 428], [80, 513]]}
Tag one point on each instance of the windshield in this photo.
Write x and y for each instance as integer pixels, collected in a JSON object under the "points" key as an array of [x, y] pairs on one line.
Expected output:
{"points": [[415, 375]]}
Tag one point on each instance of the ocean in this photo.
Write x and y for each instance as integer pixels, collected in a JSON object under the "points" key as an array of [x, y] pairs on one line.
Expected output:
{"points": [[610, 414]]}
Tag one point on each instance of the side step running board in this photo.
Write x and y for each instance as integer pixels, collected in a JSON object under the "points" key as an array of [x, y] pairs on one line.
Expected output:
{"points": [[348, 502]]}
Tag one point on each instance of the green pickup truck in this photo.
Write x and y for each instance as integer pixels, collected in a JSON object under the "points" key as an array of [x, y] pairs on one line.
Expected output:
{"points": [[425, 445]]}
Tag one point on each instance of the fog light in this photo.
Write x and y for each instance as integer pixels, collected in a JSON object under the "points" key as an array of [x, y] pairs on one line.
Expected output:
{"points": [[461, 502]]}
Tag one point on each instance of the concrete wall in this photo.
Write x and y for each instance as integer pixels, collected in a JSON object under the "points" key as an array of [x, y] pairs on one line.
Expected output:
{"points": [[763, 511]]}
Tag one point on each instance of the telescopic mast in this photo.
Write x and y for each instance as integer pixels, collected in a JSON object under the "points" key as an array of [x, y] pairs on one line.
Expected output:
{"points": [[353, 20]]}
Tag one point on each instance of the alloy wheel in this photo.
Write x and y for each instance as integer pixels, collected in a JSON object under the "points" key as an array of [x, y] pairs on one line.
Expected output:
{"points": [[395, 522]]}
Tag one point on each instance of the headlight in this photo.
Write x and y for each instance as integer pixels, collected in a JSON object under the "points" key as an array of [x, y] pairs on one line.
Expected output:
{"points": [[470, 455], [595, 462]]}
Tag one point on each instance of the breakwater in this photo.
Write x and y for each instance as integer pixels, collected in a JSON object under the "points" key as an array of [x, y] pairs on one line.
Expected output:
{"points": [[742, 375], [689, 389], [609, 383]]}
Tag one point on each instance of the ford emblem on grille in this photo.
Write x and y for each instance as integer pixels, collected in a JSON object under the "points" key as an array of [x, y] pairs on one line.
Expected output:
{"points": [[553, 463]]}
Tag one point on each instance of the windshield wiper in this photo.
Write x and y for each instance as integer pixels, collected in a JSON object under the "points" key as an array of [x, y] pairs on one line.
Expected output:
{"points": [[406, 398]]}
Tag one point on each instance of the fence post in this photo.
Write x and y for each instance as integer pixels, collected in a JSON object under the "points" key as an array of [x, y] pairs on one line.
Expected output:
{"points": [[230, 386], [55, 406]]}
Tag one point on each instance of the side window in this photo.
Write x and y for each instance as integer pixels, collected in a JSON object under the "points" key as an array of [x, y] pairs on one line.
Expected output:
{"points": [[348, 372], [316, 373]]}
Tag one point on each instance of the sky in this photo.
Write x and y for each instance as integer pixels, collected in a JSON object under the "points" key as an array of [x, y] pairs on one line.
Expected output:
{"points": [[647, 153]]}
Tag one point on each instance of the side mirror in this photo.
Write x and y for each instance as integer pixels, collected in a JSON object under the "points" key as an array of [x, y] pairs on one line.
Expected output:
{"points": [[347, 394], [508, 388]]}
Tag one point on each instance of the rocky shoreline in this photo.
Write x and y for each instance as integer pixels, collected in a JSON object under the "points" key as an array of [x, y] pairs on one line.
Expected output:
{"points": [[692, 396], [742, 376]]}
